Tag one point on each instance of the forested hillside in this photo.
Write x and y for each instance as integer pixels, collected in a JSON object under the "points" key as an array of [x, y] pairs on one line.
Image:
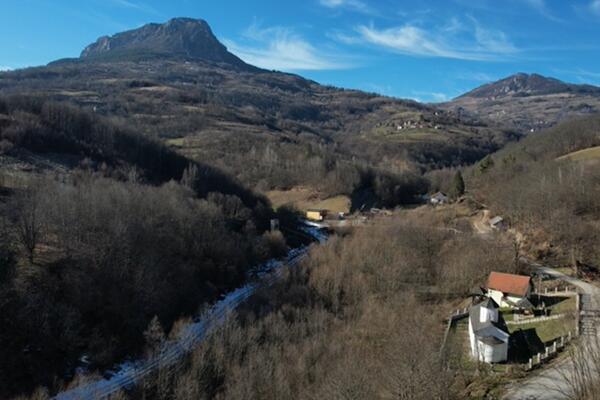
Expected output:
{"points": [[101, 230], [359, 320], [270, 130], [555, 200]]}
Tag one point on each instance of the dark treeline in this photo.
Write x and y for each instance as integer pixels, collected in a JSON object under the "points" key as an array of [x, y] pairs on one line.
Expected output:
{"points": [[555, 201]]}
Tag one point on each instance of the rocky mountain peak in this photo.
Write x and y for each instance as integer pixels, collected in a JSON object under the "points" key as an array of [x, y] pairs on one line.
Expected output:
{"points": [[522, 84], [179, 38]]}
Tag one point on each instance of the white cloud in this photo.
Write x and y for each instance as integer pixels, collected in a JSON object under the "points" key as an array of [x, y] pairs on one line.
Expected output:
{"points": [[135, 5], [463, 42], [433, 97], [492, 41], [355, 5], [581, 75], [476, 76], [541, 7], [595, 6], [282, 49]]}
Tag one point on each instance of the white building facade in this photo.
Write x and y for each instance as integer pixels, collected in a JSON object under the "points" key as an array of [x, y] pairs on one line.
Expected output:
{"points": [[488, 335]]}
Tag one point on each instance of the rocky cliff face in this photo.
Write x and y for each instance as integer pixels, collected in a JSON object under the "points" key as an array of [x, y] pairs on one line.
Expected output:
{"points": [[179, 38]]}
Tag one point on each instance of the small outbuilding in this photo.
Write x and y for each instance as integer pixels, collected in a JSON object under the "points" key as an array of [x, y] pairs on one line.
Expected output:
{"points": [[488, 334], [316, 214], [509, 290], [497, 222], [438, 199]]}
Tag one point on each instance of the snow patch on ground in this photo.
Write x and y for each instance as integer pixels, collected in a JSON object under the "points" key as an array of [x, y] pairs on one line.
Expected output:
{"points": [[126, 375]]}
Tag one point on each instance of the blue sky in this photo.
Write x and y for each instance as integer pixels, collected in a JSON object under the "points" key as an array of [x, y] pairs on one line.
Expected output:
{"points": [[425, 50]]}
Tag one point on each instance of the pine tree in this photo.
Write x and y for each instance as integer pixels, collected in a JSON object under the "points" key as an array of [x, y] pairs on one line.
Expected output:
{"points": [[485, 164], [458, 186], [154, 335]]}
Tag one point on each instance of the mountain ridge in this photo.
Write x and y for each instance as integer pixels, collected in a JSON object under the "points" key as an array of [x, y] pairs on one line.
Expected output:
{"points": [[524, 84], [526, 102]]}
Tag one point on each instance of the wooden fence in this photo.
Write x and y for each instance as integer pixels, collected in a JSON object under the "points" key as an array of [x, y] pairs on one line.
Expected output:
{"points": [[532, 320], [566, 291], [549, 351]]}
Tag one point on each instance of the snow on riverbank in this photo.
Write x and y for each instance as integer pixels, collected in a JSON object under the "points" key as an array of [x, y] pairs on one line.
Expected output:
{"points": [[128, 374]]}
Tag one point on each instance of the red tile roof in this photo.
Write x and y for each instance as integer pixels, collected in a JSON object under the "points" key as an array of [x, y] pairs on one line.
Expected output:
{"points": [[509, 283]]}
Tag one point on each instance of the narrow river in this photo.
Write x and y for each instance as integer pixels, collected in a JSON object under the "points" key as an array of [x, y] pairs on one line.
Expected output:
{"points": [[130, 373]]}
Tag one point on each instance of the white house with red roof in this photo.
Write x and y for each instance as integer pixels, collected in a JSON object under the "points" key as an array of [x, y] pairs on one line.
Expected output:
{"points": [[509, 290]]}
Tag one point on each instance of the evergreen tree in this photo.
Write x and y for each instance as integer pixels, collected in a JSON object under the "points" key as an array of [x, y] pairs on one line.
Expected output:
{"points": [[154, 335], [458, 186], [485, 164]]}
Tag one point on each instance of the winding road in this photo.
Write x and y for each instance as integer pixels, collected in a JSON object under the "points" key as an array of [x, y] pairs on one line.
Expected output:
{"points": [[173, 351]]}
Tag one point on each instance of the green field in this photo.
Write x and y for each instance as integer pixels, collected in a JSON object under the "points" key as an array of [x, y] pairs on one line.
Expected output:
{"points": [[306, 198], [548, 331], [593, 153]]}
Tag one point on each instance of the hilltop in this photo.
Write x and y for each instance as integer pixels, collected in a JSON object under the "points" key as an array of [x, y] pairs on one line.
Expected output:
{"points": [[527, 102], [178, 39]]}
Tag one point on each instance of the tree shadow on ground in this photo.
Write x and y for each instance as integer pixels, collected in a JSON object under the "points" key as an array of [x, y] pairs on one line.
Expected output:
{"points": [[363, 200], [524, 344], [549, 301]]}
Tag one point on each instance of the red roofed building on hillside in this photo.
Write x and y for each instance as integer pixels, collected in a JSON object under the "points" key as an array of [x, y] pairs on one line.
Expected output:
{"points": [[509, 290]]}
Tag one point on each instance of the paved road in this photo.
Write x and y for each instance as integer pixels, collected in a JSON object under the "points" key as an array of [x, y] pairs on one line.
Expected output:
{"points": [[550, 384]]}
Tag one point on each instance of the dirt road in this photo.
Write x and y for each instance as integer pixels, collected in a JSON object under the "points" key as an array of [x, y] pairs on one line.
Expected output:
{"points": [[481, 223]]}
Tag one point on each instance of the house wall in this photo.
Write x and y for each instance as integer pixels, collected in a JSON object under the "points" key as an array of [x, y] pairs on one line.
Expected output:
{"points": [[493, 353], [489, 354], [513, 299], [482, 351], [498, 297], [314, 215], [472, 340]]}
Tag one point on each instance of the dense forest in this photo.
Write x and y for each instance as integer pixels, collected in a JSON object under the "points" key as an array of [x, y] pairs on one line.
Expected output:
{"points": [[360, 319], [102, 230]]}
